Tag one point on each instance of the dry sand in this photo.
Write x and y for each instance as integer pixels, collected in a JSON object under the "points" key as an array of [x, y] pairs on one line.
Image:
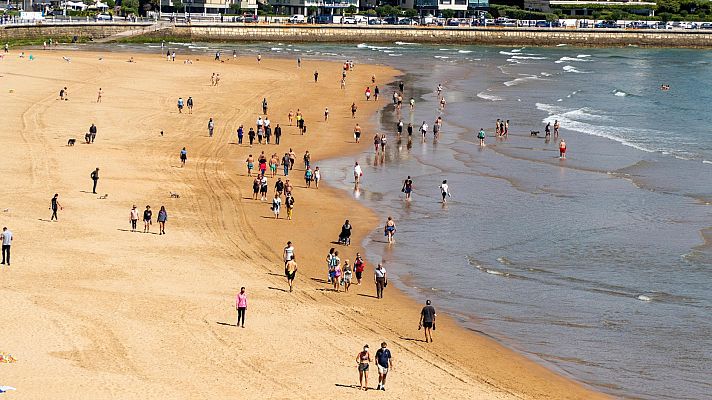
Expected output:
{"points": [[94, 311]]}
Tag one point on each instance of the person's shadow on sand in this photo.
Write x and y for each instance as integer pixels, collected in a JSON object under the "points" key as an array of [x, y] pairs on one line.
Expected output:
{"points": [[276, 288], [351, 386], [225, 324]]}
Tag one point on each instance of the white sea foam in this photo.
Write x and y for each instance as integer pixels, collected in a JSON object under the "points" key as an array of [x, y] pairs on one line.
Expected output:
{"points": [[561, 45], [576, 59], [545, 74], [583, 55], [706, 162], [513, 61], [464, 51], [407, 44], [395, 55], [517, 57], [486, 96], [504, 53], [519, 80], [570, 68], [619, 93], [276, 48], [643, 297], [443, 57]]}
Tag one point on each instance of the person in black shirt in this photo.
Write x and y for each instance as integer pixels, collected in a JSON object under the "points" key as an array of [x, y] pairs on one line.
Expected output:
{"points": [[427, 321], [54, 205], [147, 217], [92, 133], [277, 134], [94, 177]]}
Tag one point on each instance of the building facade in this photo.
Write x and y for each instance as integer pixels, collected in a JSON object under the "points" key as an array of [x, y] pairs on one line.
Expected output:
{"points": [[584, 7], [212, 6], [324, 7]]}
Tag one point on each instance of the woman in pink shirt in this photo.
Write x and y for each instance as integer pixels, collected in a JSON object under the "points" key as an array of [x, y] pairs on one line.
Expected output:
{"points": [[241, 306]]}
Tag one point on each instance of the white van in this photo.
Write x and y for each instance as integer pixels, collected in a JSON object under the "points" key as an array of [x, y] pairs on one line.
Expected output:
{"points": [[297, 19]]}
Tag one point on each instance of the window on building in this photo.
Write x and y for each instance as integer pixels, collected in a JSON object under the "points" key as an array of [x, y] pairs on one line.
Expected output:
{"points": [[461, 2], [445, 2]]}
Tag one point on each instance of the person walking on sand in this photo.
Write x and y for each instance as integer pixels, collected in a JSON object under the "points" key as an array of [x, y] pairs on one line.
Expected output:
{"points": [[357, 133], [92, 133], [481, 137], [338, 271], [376, 92], [363, 358], [562, 149], [381, 280], [390, 229], [95, 178], [290, 117], [308, 176], [285, 164], [427, 321], [385, 363], [326, 114], [348, 273], [354, 108], [407, 187], [276, 205], [241, 307], [307, 159], [255, 188], [211, 127], [277, 134], [290, 270], [6, 237], [317, 177], [189, 103], [358, 173], [289, 203], [251, 136], [263, 187], [316, 76], [264, 105], [250, 161], [367, 93], [288, 252], [359, 267], [162, 218], [240, 134], [147, 219], [180, 105], [133, 218], [329, 264], [98, 96], [183, 157], [54, 205], [445, 191]]}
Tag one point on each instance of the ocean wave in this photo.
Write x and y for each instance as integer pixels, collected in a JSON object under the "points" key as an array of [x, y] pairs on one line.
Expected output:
{"points": [[513, 61], [583, 55], [570, 68], [485, 96], [706, 162], [371, 47], [545, 74], [571, 119], [395, 55], [561, 45], [518, 57], [619, 93], [464, 51], [443, 57], [407, 44], [575, 59], [517, 81]]}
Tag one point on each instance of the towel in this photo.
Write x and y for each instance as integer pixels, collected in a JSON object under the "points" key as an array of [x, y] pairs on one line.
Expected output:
{"points": [[4, 389]]}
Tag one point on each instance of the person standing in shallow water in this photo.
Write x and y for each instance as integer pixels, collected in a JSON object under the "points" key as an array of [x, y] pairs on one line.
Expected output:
{"points": [[390, 230], [407, 187]]}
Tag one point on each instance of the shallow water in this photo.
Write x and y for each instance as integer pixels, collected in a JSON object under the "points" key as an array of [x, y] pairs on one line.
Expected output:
{"points": [[594, 265]]}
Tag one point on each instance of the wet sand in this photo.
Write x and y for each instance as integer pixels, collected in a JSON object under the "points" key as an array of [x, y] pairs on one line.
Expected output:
{"points": [[93, 310]]}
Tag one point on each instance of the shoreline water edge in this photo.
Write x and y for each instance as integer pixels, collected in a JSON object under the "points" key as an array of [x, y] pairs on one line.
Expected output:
{"points": [[399, 161]]}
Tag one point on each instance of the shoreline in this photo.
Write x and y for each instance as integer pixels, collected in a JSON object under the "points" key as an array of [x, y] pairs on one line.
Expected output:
{"points": [[143, 32], [508, 372]]}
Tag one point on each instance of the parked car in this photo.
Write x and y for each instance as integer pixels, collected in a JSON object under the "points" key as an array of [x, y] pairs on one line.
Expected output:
{"points": [[349, 20], [407, 21], [375, 21], [706, 25], [322, 19], [508, 22], [453, 22], [103, 17], [543, 24], [606, 24], [390, 20], [249, 18], [297, 19]]}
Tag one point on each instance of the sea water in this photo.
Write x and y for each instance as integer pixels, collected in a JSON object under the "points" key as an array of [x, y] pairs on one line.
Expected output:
{"points": [[595, 265]]}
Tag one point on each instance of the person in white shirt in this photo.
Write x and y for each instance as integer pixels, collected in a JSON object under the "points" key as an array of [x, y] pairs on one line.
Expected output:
{"points": [[6, 237], [445, 191], [423, 129], [288, 252], [358, 173]]}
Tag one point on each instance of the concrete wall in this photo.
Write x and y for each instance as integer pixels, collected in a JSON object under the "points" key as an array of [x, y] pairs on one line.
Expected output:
{"points": [[66, 30], [358, 34]]}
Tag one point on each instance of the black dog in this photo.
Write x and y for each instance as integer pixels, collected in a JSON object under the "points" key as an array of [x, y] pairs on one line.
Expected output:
{"points": [[71, 142], [534, 133]]}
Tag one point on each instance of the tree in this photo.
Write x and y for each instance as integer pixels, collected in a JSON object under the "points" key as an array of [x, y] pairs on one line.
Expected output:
{"points": [[411, 13], [371, 13], [312, 10], [670, 6], [111, 3], [129, 6], [178, 5], [447, 13], [352, 10], [234, 7]]}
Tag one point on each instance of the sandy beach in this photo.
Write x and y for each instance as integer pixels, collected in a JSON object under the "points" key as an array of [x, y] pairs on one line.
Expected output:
{"points": [[93, 310]]}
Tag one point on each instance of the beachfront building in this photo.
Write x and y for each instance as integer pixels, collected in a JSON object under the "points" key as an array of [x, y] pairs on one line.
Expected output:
{"points": [[586, 7], [434, 7], [324, 7], [211, 6]]}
